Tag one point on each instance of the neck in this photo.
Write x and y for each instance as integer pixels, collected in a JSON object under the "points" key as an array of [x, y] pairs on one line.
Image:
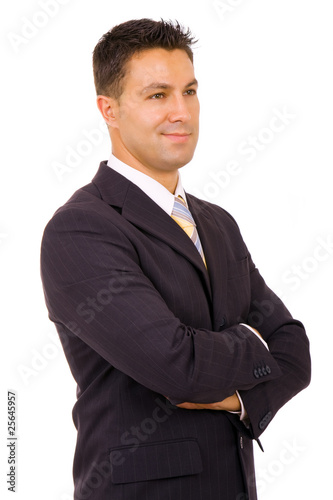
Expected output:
{"points": [[168, 179]]}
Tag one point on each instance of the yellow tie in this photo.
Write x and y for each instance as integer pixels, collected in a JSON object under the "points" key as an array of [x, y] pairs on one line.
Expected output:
{"points": [[183, 217]]}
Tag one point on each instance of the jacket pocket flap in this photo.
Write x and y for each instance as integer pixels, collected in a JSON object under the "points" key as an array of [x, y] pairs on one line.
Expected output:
{"points": [[155, 461]]}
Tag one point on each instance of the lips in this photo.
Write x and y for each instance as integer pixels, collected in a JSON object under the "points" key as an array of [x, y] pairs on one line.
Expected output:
{"points": [[180, 138]]}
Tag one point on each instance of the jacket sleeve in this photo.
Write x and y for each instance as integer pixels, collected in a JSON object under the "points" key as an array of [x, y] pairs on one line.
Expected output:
{"points": [[285, 336], [289, 346], [94, 287]]}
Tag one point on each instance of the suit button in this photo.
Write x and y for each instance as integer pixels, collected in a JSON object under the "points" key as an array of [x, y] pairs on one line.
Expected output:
{"points": [[256, 373], [241, 442], [260, 372], [265, 420], [222, 323], [264, 371], [268, 370]]}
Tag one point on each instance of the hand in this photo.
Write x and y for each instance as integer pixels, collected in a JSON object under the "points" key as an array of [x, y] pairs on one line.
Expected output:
{"points": [[231, 403]]}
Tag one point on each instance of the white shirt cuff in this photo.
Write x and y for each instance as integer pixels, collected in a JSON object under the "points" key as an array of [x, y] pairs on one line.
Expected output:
{"points": [[242, 413], [255, 333]]}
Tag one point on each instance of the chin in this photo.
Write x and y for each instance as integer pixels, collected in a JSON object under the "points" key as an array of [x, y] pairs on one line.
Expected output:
{"points": [[185, 161], [170, 162]]}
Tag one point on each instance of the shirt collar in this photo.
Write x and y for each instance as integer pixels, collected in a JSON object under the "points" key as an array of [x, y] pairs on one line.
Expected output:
{"points": [[152, 188]]}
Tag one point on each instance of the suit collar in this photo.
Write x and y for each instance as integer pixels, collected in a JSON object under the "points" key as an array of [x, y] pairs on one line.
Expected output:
{"points": [[156, 191], [144, 213], [112, 186]]}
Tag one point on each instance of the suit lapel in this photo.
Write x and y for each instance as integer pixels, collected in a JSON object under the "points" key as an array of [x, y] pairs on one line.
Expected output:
{"points": [[144, 213], [213, 244]]}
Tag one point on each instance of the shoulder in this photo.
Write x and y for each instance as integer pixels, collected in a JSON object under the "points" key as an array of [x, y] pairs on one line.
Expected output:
{"points": [[220, 215], [215, 220], [85, 212]]}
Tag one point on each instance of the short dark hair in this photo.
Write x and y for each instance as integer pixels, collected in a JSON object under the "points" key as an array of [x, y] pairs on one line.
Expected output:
{"points": [[117, 46]]}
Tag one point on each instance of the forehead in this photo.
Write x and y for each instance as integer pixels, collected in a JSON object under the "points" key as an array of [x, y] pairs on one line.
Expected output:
{"points": [[173, 67]]}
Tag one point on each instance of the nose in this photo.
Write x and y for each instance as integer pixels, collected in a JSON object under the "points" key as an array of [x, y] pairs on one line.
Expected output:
{"points": [[179, 109]]}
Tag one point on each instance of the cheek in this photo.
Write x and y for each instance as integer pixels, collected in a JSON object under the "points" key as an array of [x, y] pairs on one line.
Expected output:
{"points": [[141, 126], [196, 111], [137, 135], [129, 125]]}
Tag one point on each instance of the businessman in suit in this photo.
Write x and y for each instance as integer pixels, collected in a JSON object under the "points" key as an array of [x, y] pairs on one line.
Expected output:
{"points": [[181, 353]]}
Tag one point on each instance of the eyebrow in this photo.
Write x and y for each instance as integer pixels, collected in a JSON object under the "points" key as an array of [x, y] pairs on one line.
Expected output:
{"points": [[165, 86]]}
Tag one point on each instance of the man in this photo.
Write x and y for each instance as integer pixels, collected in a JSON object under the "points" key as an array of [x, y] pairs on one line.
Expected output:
{"points": [[181, 353]]}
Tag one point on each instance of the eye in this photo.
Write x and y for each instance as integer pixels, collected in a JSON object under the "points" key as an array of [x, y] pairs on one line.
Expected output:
{"points": [[157, 96], [190, 92]]}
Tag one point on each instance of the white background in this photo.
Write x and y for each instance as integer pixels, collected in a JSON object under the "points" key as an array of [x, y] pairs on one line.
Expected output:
{"points": [[253, 57]]}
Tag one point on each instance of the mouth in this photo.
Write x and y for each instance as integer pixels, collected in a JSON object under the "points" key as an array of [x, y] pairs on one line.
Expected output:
{"points": [[178, 138]]}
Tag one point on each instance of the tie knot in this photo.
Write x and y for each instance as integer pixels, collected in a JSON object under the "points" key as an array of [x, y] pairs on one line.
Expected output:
{"points": [[181, 211], [181, 200]]}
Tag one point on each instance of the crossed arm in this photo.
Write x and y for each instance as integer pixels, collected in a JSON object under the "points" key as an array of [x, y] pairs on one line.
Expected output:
{"points": [[139, 335], [231, 403]]}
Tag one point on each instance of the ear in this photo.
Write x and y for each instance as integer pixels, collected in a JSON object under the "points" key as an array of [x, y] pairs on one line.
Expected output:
{"points": [[108, 107]]}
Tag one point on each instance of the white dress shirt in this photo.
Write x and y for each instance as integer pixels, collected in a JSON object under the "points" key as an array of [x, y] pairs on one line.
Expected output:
{"points": [[165, 200], [158, 193]]}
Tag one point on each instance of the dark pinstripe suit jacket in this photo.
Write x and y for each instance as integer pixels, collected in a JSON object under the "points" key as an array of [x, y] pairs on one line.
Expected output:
{"points": [[140, 318]]}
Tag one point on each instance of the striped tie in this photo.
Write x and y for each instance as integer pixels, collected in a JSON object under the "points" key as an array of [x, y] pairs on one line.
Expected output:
{"points": [[183, 217]]}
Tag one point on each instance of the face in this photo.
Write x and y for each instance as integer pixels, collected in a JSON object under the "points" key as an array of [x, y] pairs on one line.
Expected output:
{"points": [[156, 121]]}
